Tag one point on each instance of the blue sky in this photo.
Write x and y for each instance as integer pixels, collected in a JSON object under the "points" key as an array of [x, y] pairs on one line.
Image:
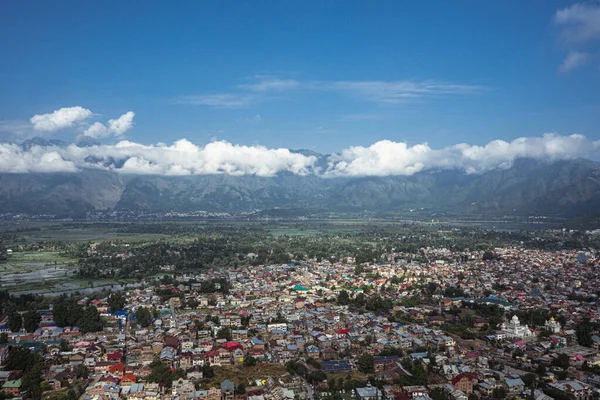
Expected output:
{"points": [[321, 75]]}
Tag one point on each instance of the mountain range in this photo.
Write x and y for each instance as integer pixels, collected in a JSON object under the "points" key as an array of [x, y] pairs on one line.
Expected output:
{"points": [[567, 188]]}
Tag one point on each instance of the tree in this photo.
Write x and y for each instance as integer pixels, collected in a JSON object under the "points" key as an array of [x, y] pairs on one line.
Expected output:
{"points": [[366, 364], [437, 394], [31, 320], [64, 346], [529, 379], [584, 333], [143, 316], [91, 322], [208, 371], [116, 301], [419, 374], [19, 358], [66, 311], [224, 333], [343, 298], [32, 379], [81, 371], [561, 361], [317, 376], [431, 287], [250, 361], [241, 389], [540, 370], [14, 321], [499, 393], [160, 373], [3, 338]]}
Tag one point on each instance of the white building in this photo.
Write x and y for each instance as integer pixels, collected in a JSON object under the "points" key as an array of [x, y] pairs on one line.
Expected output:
{"points": [[514, 330], [552, 325]]}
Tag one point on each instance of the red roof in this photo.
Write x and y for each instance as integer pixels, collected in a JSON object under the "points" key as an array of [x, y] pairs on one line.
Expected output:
{"points": [[116, 367], [467, 375], [114, 356], [342, 331], [129, 377]]}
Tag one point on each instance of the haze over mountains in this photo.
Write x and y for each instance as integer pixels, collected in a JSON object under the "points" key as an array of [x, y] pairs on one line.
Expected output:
{"points": [[567, 187]]}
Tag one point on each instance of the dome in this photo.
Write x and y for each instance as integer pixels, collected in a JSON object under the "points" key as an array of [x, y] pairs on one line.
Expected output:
{"points": [[515, 319]]}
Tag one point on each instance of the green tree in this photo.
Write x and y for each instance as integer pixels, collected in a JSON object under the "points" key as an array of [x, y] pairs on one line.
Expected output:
{"points": [[240, 389], [224, 333], [19, 359], [343, 298], [584, 333], [366, 364], [116, 301], [15, 321], [66, 311], [499, 393], [3, 338], [208, 371], [31, 320], [81, 371], [143, 317], [250, 361], [160, 373], [32, 379], [431, 287], [561, 361], [64, 346], [529, 379], [91, 322]]}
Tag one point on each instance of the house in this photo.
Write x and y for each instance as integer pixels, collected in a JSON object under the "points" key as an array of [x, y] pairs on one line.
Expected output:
{"points": [[368, 393], [128, 380], [514, 385], [312, 351], [575, 387], [227, 390], [465, 382], [12, 388]]}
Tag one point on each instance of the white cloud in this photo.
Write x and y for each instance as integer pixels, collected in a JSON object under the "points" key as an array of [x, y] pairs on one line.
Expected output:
{"points": [[580, 22], [115, 127], [60, 119], [383, 158], [580, 30], [573, 60], [218, 100], [267, 84], [390, 92], [383, 92], [397, 158]]}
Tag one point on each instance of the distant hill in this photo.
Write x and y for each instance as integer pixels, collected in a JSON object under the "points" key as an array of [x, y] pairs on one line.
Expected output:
{"points": [[563, 188]]}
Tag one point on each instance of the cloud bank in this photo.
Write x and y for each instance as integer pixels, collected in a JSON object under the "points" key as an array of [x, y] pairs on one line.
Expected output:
{"points": [[386, 158], [383, 158]]}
